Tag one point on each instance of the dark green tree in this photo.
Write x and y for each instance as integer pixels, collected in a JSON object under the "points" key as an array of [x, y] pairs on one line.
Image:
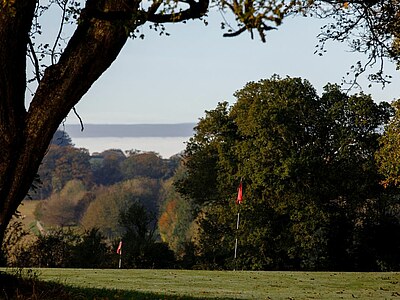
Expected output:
{"points": [[308, 168], [91, 251], [53, 250], [61, 138], [141, 250], [146, 164], [106, 167]]}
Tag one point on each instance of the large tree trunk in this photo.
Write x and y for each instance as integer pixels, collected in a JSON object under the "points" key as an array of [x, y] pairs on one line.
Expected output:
{"points": [[15, 22], [26, 134]]}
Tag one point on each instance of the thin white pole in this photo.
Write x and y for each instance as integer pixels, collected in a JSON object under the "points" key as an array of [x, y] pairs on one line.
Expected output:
{"points": [[236, 241], [238, 202], [120, 259]]}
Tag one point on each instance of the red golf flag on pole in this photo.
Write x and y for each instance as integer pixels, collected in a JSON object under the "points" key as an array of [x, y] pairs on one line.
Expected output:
{"points": [[240, 193], [119, 249]]}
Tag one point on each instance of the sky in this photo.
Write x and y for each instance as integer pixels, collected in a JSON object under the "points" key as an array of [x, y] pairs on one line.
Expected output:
{"points": [[176, 78]]}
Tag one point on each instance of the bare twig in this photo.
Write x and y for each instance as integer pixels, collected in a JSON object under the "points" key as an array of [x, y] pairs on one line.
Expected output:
{"points": [[35, 60], [60, 30], [79, 117]]}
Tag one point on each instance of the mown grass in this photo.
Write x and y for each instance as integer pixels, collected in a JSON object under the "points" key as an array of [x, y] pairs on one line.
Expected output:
{"points": [[185, 284]]}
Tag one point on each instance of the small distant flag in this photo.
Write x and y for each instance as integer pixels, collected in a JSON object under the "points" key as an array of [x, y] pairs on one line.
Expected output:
{"points": [[240, 193], [119, 249]]}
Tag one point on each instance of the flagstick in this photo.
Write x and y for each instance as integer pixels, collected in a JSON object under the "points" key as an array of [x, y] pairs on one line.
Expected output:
{"points": [[238, 202], [237, 228], [236, 240], [120, 259], [119, 251]]}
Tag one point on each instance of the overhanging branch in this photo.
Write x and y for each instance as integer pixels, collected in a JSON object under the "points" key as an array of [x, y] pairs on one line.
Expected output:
{"points": [[196, 10]]}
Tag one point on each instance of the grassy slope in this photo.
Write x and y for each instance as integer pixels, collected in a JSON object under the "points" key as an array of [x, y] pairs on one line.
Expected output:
{"points": [[234, 285], [27, 209]]}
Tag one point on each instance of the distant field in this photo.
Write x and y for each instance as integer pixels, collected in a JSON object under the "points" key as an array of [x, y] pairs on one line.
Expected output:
{"points": [[27, 209], [164, 284]]}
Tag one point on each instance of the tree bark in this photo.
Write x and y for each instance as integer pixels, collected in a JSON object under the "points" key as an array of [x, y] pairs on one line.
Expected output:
{"points": [[15, 22], [26, 134]]}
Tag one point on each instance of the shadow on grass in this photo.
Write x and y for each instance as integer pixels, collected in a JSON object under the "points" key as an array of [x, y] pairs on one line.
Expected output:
{"points": [[19, 288]]}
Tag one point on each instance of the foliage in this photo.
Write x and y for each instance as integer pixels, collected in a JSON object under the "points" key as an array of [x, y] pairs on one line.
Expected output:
{"points": [[64, 68], [309, 174], [388, 154], [104, 211], [61, 138], [63, 248], [106, 167], [369, 27], [53, 250], [139, 241], [92, 251], [13, 240], [147, 164], [60, 165], [66, 207], [176, 220]]}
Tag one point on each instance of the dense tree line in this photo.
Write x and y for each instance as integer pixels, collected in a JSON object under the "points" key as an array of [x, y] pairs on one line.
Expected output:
{"points": [[313, 192], [64, 162], [81, 196], [320, 179]]}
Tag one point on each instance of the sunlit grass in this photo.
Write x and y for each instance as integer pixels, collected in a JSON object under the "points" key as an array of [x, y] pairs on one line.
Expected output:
{"points": [[158, 284]]}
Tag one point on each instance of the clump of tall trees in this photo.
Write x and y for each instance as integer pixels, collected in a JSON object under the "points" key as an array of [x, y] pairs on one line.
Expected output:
{"points": [[313, 192]]}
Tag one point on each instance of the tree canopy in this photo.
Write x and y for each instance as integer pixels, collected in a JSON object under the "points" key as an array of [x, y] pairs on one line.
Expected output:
{"points": [[312, 189]]}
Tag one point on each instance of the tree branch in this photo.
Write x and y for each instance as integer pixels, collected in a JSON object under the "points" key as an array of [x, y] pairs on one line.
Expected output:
{"points": [[53, 50], [79, 117], [235, 33], [195, 10], [35, 60]]}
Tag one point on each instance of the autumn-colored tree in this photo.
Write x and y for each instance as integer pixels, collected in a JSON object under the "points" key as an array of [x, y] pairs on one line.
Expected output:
{"points": [[147, 164], [104, 211], [64, 208], [60, 165], [176, 220], [389, 153]]}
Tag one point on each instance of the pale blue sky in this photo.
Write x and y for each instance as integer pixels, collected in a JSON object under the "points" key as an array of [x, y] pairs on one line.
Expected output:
{"points": [[175, 79]]}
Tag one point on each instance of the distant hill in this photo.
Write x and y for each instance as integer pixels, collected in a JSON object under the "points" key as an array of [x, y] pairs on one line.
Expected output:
{"points": [[129, 130]]}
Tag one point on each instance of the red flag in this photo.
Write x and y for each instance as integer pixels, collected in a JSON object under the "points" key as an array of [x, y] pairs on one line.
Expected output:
{"points": [[240, 194], [119, 249]]}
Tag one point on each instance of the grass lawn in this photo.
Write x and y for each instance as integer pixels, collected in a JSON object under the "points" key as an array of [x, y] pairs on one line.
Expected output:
{"points": [[162, 284]]}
